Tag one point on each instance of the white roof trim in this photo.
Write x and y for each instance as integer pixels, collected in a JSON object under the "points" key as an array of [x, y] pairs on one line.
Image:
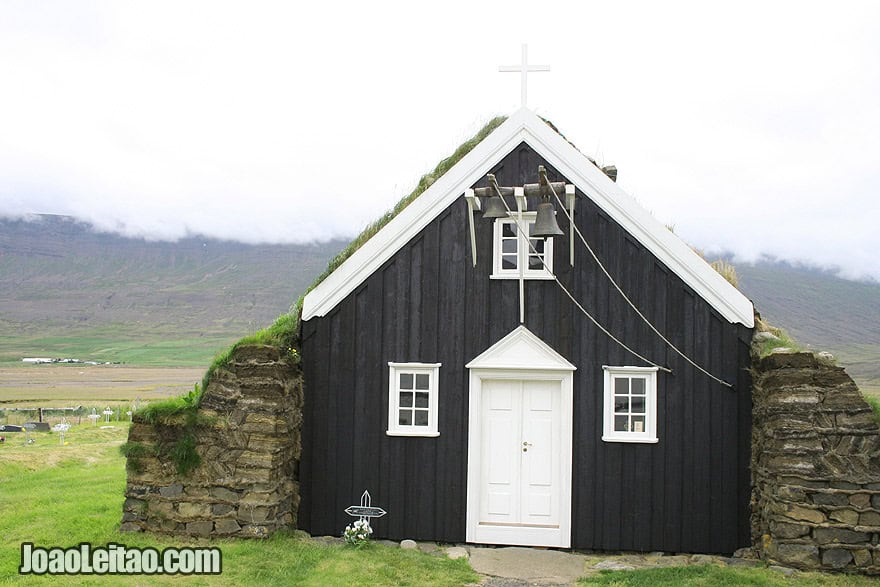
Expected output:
{"points": [[526, 126], [521, 349]]}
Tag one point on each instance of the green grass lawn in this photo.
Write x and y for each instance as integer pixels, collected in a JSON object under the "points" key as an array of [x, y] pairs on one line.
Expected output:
{"points": [[122, 344], [55, 495], [715, 576]]}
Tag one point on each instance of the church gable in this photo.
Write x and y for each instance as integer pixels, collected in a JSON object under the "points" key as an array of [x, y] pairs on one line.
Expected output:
{"points": [[526, 127]]}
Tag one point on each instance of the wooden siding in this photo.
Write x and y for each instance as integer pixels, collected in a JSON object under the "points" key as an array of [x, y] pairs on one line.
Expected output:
{"points": [[689, 492]]}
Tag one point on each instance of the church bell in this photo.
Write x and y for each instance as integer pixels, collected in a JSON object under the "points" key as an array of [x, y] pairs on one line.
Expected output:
{"points": [[545, 222], [495, 208]]}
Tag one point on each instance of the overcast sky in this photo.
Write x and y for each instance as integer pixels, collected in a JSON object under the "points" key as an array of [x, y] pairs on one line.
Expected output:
{"points": [[750, 126]]}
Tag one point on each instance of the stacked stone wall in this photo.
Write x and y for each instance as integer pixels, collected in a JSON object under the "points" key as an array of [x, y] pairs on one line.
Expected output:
{"points": [[248, 440], [815, 467]]}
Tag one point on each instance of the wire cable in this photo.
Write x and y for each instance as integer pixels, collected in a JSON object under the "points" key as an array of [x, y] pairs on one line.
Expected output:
{"points": [[568, 293], [626, 298]]}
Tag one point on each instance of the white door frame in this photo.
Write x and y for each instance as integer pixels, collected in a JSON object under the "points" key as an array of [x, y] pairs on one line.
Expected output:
{"points": [[520, 356], [518, 535]]}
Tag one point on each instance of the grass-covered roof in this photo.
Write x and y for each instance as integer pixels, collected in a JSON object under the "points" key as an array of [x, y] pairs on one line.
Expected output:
{"points": [[284, 332]]}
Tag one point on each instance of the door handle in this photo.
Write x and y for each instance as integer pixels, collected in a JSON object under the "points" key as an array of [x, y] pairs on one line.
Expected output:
{"points": [[526, 446]]}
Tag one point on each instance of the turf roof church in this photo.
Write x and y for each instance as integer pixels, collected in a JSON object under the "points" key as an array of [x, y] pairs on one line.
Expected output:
{"points": [[489, 384]]}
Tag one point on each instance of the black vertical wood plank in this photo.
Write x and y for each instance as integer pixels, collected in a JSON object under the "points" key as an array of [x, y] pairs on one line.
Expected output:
{"points": [[390, 348], [598, 307], [689, 479], [627, 271], [319, 401], [717, 443], [340, 404], [448, 510], [659, 482], [422, 477], [415, 313], [449, 237], [703, 434], [306, 473], [331, 484], [728, 482], [587, 288], [369, 429], [744, 419], [673, 439], [400, 352], [364, 337]]}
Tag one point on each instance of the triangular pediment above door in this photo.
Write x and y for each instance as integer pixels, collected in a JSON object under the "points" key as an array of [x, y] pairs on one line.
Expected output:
{"points": [[521, 349]]}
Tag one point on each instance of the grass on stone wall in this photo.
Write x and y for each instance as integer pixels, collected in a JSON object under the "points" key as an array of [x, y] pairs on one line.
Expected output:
{"points": [[781, 339], [181, 412], [875, 405], [284, 332]]}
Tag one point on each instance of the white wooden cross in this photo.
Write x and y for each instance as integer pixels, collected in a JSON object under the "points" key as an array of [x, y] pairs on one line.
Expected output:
{"points": [[524, 69]]}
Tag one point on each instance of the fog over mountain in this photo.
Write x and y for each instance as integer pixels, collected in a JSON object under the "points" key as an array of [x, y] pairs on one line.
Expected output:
{"points": [[63, 281], [751, 126]]}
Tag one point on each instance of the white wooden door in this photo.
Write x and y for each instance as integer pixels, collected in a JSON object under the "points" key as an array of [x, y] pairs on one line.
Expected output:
{"points": [[521, 485]]}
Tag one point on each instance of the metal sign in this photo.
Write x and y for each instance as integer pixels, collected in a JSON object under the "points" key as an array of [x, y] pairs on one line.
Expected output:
{"points": [[365, 509]]}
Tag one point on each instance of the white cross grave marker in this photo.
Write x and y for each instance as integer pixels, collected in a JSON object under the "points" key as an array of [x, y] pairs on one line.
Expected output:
{"points": [[524, 69], [61, 428], [366, 510]]}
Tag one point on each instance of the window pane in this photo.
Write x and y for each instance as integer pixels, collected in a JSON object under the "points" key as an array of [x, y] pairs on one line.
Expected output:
{"points": [[422, 381], [421, 399], [508, 229], [508, 246], [538, 244], [406, 399], [621, 385], [638, 424], [638, 385], [508, 261], [421, 418], [620, 423], [406, 381], [535, 262], [405, 418], [638, 405], [621, 404]]}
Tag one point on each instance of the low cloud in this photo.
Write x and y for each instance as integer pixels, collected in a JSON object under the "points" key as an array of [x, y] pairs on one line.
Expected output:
{"points": [[255, 124]]}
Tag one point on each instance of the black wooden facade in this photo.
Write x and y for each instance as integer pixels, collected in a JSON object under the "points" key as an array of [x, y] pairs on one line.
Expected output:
{"points": [[687, 493]]}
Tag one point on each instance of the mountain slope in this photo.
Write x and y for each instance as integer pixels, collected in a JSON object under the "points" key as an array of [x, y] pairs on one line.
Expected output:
{"points": [[821, 311], [66, 290], [60, 281]]}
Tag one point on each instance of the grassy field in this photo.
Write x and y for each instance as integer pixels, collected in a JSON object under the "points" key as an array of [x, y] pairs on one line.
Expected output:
{"points": [[26, 386], [145, 348], [57, 495], [715, 576]]}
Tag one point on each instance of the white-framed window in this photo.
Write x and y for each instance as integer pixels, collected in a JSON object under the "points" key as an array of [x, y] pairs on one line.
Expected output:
{"points": [[511, 250], [630, 412], [413, 399]]}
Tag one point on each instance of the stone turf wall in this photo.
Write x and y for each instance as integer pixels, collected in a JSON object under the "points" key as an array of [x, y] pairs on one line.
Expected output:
{"points": [[248, 441], [815, 467]]}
